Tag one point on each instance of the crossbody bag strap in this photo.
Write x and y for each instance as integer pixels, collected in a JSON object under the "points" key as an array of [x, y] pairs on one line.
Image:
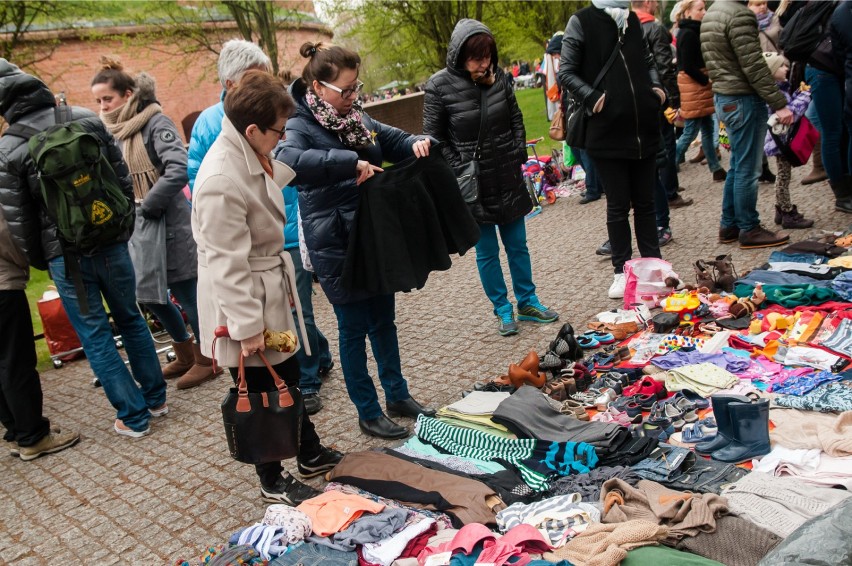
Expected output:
{"points": [[609, 63], [483, 116]]}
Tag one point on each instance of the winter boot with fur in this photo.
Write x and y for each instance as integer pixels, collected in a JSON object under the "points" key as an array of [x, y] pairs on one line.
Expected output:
{"points": [[184, 359], [200, 372]]}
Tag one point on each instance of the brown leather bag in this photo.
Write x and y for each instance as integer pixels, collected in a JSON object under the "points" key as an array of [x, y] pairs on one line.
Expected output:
{"points": [[557, 126]]}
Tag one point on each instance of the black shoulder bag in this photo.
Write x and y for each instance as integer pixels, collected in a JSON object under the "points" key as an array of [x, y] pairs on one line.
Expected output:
{"points": [[575, 125], [467, 175]]}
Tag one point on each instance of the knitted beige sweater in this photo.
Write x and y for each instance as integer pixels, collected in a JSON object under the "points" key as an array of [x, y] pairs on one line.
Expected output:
{"points": [[806, 429], [607, 545], [780, 505]]}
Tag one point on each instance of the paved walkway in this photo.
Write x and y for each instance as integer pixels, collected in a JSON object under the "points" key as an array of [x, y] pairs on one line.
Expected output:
{"points": [[112, 500]]}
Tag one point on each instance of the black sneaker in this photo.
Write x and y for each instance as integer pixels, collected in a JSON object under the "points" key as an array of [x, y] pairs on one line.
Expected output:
{"points": [[313, 403], [604, 249], [326, 460], [324, 371], [287, 490]]}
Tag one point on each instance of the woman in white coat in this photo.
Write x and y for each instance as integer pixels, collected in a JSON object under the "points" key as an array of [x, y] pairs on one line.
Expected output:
{"points": [[246, 280]]}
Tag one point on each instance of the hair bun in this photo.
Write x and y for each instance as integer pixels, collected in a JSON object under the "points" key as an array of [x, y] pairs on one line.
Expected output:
{"points": [[111, 62], [309, 49]]}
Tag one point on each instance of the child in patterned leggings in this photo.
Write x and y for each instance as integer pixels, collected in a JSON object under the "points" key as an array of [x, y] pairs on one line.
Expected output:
{"points": [[786, 213]]}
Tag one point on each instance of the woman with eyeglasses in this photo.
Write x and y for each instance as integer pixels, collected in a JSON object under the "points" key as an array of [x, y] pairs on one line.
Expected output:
{"points": [[334, 146], [246, 279]]}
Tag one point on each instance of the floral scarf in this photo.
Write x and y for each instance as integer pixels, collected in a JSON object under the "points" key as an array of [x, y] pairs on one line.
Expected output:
{"points": [[350, 128]]}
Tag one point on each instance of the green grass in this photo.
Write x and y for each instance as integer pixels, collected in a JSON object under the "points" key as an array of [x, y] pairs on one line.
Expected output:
{"points": [[531, 102], [39, 282]]}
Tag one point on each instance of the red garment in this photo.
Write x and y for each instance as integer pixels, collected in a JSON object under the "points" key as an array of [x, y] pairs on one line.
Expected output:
{"points": [[418, 543], [518, 542], [645, 17]]}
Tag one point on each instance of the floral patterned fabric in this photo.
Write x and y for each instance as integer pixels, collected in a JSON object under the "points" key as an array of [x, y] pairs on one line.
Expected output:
{"points": [[833, 396], [350, 129]]}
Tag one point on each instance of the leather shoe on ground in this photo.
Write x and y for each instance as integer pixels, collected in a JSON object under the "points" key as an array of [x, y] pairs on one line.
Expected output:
{"points": [[382, 427], [587, 199], [760, 237], [728, 235], [408, 408], [679, 202], [604, 249]]}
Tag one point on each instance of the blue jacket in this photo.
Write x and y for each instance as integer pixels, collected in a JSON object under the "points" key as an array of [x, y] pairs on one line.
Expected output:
{"points": [[291, 209], [328, 195], [204, 133]]}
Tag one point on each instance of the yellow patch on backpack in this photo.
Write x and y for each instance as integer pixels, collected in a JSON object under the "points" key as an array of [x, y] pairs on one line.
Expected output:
{"points": [[100, 213]]}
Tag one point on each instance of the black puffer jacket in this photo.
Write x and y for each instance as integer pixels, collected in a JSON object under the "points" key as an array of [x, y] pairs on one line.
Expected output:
{"points": [[451, 115], [26, 100], [628, 126], [328, 195]]}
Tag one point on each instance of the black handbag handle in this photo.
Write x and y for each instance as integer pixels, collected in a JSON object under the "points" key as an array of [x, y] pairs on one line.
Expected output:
{"points": [[611, 60], [784, 147], [243, 403]]}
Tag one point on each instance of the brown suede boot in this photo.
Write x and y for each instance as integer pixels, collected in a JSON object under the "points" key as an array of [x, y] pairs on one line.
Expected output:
{"points": [[202, 370], [817, 173], [698, 156], [184, 360]]}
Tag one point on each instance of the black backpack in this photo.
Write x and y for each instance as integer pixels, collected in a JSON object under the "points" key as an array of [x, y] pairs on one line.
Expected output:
{"points": [[805, 30]]}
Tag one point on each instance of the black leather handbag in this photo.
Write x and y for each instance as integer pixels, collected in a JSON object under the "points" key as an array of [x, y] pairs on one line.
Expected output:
{"points": [[577, 115], [467, 175], [262, 427]]}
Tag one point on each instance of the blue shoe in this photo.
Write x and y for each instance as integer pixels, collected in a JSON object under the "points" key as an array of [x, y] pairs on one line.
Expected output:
{"points": [[507, 325], [537, 312]]}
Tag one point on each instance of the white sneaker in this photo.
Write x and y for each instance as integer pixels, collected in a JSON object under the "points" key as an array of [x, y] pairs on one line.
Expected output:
{"points": [[125, 430], [616, 290]]}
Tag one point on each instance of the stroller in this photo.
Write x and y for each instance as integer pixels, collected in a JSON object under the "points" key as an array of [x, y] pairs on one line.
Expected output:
{"points": [[541, 175]]}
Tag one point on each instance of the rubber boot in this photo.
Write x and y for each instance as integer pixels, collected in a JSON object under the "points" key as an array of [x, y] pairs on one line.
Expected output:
{"points": [[750, 433], [793, 219], [817, 173], [724, 272], [184, 360], [842, 195], [722, 414], [200, 372]]}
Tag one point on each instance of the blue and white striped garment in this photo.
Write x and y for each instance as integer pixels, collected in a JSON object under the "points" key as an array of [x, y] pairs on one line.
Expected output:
{"points": [[558, 519]]}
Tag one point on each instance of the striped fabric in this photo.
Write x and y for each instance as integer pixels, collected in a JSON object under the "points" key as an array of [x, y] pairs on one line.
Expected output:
{"points": [[558, 519], [536, 460]]}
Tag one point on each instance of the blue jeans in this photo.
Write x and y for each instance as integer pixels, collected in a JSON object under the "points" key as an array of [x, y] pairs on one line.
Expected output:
{"points": [[170, 316], [110, 273], [668, 173], [355, 321], [827, 101], [309, 366], [745, 118], [593, 185], [514, 236], [691, 129]]}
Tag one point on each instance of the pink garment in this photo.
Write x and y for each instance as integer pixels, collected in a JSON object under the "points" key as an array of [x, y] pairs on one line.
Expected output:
{"points": [[518, 541]]}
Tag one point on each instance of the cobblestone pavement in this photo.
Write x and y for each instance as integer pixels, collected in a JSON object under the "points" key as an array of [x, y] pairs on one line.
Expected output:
{"points": [[113, 500]]}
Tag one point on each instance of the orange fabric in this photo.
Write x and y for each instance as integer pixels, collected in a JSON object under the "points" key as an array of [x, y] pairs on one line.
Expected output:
{"points": [[696, 101], [333, 511], [265, 162]]}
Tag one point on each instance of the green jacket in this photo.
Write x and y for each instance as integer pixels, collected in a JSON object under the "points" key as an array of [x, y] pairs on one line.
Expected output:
{"points": [[732, 53]]}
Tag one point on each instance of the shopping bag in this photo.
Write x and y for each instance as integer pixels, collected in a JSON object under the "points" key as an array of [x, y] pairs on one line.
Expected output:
{"points": [[568, 157], [59, 335], [645, 281]]}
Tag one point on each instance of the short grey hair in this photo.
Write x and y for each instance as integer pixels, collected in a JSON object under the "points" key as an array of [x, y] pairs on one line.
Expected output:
{"points": [[237, 57]]}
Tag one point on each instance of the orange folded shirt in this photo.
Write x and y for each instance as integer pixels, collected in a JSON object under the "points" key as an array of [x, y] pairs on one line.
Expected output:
{"points": [[333, 511]]}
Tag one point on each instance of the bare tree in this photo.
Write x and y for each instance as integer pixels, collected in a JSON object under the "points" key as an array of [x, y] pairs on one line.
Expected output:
{"points": [[17, 19]]}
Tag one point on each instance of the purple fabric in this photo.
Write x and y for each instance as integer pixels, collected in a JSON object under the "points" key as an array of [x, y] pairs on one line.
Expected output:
{"points": [[771, 374], [679, 358], [798, 104]]}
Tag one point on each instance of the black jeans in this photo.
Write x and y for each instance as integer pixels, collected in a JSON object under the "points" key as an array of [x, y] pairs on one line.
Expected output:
{"points": [[668, 173], [20, 386], [258, 380], [629, 183]]}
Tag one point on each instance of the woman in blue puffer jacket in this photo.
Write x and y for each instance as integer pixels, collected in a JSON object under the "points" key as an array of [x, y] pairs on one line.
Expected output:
{"points": [[333, 146]]}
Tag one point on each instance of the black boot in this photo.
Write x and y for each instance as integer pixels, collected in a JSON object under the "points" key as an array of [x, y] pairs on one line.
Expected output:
{"points": [[722, 414], [794, 220], [766, 176], [751, 433], [382, 427], [842, 195], [408, 408]]}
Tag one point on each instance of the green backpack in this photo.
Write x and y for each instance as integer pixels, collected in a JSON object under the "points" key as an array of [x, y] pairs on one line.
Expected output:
{"points": [[80, 190]]}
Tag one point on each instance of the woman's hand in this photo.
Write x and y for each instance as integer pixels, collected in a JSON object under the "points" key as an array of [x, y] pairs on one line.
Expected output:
{"points": [[661, 93], [251, 346], [599, 104], [421, 148], [364, 170]]}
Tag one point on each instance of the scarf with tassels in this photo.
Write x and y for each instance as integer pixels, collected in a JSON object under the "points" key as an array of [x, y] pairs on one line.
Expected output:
{"points": [[126, 125], [350, 128]]}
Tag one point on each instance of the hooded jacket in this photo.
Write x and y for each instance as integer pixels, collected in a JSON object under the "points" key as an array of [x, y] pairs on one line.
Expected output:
{"points": [[628, 125], [204, 132], [328, 195], [732, 52], [166, 152], [451, 114], [26, 100]]}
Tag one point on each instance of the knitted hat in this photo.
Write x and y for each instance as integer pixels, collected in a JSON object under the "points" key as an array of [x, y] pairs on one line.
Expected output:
{"points": [[775, 61]]}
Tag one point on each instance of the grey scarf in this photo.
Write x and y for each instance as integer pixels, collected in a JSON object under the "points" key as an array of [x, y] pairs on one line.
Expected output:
{"points": [[618, 10]]}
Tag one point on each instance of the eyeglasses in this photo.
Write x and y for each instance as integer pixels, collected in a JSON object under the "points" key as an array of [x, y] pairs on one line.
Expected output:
{"points": [[345, 92], [281, 133]]}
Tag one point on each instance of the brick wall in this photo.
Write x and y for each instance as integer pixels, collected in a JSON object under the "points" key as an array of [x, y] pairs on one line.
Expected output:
{"points": [[405, 112], [185, 84]]}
